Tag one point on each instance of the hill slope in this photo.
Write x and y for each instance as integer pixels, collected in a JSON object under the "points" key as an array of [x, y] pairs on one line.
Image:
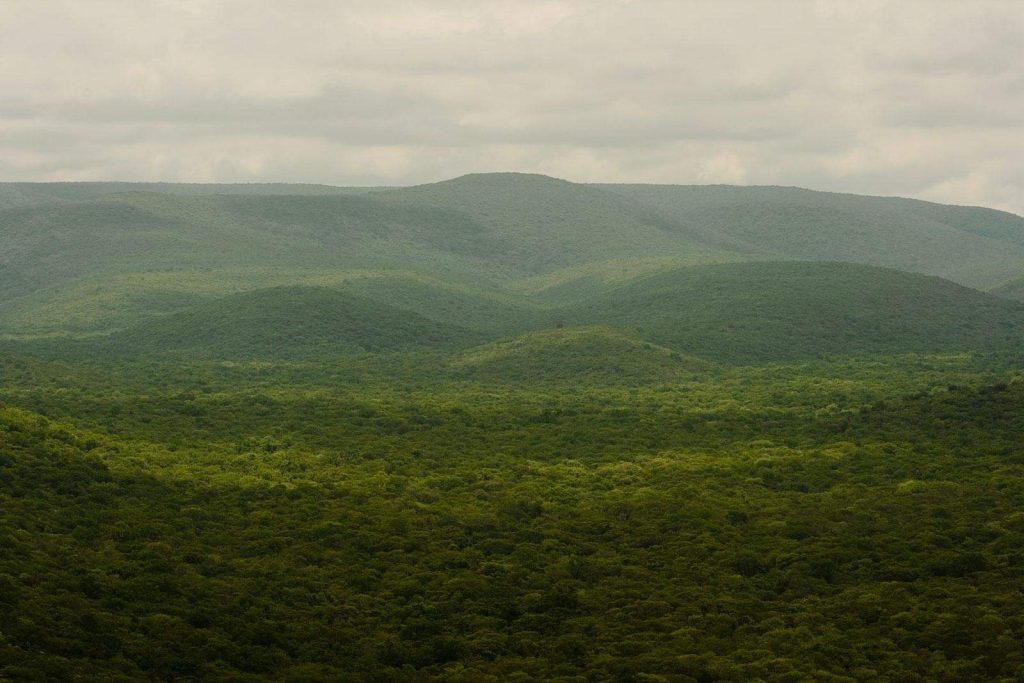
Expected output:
{"points": [[793, 310], [40, 194], [537, 223], [1014, 289], [579, 355], [970, 245], [284, 322], [93, 257]]}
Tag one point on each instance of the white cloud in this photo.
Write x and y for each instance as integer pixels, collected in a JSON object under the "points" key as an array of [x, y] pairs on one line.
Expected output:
{"points": [[921, 98]]}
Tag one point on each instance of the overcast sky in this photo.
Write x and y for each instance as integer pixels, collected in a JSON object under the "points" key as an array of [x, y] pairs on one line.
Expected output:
{"points": [[922, 99]]}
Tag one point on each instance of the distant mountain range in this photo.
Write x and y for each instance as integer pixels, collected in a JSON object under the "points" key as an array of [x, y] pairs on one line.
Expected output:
{"points": [[716, 272]]}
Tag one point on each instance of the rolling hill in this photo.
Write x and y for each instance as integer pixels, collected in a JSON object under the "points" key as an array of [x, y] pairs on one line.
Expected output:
{"points": [[1014, 289], [973, 246], [793, 310], [538, 224], [579, 355], [650, 328], [87, 258], [504, 428], [282, 323]]}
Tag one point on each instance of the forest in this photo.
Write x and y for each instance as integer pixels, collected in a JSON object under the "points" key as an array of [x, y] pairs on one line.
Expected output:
{"points": [[508, 428]]}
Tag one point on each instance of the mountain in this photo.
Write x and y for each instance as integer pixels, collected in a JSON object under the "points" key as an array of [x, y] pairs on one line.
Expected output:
{"points": [[282, 322], [87, 258], [795, 310], [537, 224], [39, 194], [67, 257], [973, 246]]}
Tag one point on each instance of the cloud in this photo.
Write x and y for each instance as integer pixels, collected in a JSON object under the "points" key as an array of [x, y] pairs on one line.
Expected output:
{"points": [[923, 98]]}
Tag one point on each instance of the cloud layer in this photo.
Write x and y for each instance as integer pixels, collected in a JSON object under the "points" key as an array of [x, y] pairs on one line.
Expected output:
{"points": [[923, 99]]}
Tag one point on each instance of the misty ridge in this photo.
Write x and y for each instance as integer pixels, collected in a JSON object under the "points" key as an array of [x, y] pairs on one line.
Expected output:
{"points": [[505, 252]]}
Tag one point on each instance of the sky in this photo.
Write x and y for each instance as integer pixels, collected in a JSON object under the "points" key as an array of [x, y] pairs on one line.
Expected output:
{"points": [[921, 99]]}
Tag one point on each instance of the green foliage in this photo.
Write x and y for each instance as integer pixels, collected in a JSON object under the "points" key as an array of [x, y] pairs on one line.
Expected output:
{"points": [[506, 428], [578, 354], [282, 322], [91, 257], [792, 223], [787, 311], [1014, 289], [456, 533], [727, 313]]}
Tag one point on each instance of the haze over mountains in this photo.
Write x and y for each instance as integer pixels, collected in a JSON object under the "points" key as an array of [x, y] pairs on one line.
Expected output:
{"points": [[289, 270]]}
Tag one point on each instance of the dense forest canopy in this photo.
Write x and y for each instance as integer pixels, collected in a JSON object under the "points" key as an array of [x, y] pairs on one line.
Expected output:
{"points": [[507, 427]]}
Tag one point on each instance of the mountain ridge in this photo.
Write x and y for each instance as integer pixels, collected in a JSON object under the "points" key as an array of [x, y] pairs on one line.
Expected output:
{"points": [[100, 257]]}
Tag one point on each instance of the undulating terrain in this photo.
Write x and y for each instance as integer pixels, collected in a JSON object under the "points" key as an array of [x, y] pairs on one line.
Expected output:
{"points": [[508, 428]]}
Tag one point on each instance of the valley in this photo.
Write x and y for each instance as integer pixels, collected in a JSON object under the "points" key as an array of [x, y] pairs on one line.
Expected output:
{"points": [[507, 427]]}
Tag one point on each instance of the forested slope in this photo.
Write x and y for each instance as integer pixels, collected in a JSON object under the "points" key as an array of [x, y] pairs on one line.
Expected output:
{"points": [[83, 258], [507, 428], [786, 311], [832, 545], [974, 246]]}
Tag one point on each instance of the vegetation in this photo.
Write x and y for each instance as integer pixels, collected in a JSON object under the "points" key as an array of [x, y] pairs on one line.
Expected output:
{"points": [[832, 522], [1014, 289], [83, 258], [282, 322], [787, 311], [792, 223], [406, 435]]}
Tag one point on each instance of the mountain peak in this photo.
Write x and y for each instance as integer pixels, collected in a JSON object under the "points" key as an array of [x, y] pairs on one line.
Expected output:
{"points": [[502, 178]]}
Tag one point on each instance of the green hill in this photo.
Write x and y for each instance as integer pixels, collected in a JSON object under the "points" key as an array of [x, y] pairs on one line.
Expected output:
{"points": [[1014, 289], [283, 322], [67, 258], [482, 308], [970, 245], [794, 310], [39, 194], [84, 258], [143, 231], [537, 224], [579, 355]]}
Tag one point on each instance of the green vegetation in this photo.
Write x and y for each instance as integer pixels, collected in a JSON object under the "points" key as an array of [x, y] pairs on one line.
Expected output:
{"points": [[787, 311], [835, 521], [578, 354], [282, 322], [506, 428], [1014, 289], [970, 245], [83, 258]]}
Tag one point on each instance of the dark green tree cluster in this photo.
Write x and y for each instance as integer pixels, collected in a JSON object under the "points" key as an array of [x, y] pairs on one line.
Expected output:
{"points": [[302, 533]]}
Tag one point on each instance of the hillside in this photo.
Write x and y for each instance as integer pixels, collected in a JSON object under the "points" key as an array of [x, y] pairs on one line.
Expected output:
{"points": [[144, 231], [578, 355], [794, 310], [282, 322], [530, 533], [1014, 289], [479, 307], [86, 258], [39, 194], [973, 246], [538, 223], [67, 258]]}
